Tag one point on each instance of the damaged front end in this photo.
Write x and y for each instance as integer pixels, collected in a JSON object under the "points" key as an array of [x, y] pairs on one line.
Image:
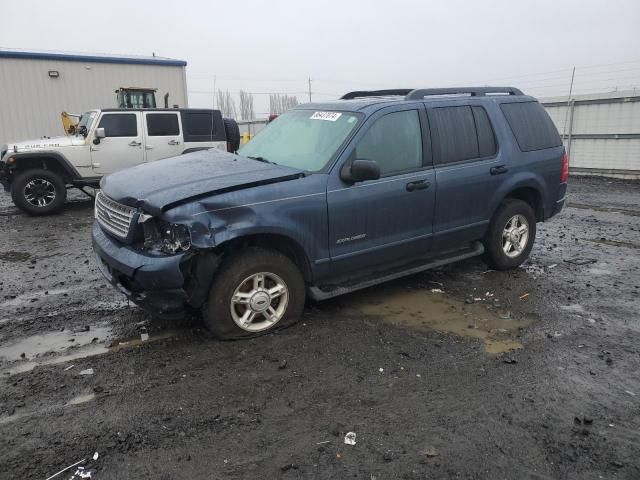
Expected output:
{"points": [[154, 262], [164, 237]]}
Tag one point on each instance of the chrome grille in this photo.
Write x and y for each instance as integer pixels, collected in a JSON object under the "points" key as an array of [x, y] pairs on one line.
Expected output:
{"points": [[113, 216]]}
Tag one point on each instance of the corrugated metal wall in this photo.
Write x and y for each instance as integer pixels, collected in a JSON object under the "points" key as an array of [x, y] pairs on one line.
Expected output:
{"points": [[604, 134], [31, 101]]}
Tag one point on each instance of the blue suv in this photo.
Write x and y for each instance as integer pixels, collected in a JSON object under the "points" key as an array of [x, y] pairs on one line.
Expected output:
{"points": [[331, 198]]}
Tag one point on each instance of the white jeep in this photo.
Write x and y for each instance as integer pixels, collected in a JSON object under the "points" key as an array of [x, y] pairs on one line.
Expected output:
{"points": [[39, 172]]}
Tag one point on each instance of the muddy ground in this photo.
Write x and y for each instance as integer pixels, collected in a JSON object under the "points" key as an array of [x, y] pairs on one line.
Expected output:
{"points": [[455, 373]]}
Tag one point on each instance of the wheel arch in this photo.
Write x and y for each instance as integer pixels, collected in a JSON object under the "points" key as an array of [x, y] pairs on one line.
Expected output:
{"points": [[274, 241], [51, 161], [531, 196]]}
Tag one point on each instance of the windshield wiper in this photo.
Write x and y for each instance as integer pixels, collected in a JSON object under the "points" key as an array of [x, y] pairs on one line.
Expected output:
{"points": [[262, 159]]}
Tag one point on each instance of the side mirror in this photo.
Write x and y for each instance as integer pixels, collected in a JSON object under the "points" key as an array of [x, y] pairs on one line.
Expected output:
{"points": [[360, 170], [99, 134]]}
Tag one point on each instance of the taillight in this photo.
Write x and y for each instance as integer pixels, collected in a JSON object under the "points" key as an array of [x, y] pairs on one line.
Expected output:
{"points": [[564, 176]]}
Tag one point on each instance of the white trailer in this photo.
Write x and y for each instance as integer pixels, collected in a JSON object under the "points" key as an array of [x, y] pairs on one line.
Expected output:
{"points": [[37, 86]]}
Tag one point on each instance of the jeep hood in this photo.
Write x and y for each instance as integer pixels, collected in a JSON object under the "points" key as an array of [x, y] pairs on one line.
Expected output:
{"points": [[164, 184], [45, 144]]}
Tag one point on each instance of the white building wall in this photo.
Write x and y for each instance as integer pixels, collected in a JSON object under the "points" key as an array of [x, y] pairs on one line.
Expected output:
{"points": [[604, 134], [31, 101]]}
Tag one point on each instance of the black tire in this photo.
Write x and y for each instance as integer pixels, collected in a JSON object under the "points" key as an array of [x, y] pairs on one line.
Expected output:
{"points": [[495, 255], [232, 132], [238, 267], [30, 186]]}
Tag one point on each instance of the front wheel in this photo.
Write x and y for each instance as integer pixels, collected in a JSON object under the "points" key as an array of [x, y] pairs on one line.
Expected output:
{"points": [[38, 192], [511, 234], [255, 292]]}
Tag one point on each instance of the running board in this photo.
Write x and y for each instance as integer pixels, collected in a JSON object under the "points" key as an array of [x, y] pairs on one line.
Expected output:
{"points": [[317, 294]]}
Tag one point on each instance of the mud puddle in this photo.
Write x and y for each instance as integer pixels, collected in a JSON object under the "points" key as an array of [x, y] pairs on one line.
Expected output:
{"points": [[435, 311], [52, 342], [29, 298], [54, 348]]}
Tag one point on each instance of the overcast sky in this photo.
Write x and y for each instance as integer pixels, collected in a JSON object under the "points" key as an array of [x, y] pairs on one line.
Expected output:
{"points": [[274, 46]]}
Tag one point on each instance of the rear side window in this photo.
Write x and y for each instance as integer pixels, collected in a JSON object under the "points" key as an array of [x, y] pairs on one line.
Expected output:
{"points": [[162, 124], [486, 138], [119, 124], [394, 142], [461, 133], [199, 124], [202, 126], [454, 133], [531, 125]]}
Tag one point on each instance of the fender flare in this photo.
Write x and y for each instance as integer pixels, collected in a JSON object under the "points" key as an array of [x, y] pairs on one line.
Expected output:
{"points": [[60, 159]]}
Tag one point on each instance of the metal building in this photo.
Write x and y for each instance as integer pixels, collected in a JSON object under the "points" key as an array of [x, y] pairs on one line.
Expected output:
{"points": [[601, 132], [36, 86]]}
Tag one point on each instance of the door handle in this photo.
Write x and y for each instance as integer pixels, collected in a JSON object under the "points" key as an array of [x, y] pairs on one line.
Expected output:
{"points": [[173, 142], [134, 143], [499, 170], [418, 185]]}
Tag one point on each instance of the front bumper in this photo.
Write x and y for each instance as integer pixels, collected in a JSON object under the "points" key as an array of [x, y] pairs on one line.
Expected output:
{"points": [[155, 283]]}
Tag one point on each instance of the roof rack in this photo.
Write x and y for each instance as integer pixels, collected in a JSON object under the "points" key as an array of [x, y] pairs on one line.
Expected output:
{"points": [[473, 91], [377, 93]]}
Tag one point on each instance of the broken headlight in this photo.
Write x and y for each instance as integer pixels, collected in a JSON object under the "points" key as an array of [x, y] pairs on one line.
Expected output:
{"points": [[166, 237]]}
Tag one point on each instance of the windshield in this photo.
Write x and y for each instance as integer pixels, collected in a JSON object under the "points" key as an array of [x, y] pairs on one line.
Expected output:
{"points": [[86, 119], [303, 139]]}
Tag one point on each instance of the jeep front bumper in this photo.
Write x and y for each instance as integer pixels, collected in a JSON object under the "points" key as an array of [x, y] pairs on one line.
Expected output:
{"points": [[155, 283]]}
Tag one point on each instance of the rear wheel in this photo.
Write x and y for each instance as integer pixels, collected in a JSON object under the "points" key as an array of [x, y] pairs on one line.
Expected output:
{"points": [[511, 234], [255, 292], [38, 192]]}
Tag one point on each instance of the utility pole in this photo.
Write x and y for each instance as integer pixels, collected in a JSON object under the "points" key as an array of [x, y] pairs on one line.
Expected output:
{"points": [[566, 114], [309, 89], [214, 92]]}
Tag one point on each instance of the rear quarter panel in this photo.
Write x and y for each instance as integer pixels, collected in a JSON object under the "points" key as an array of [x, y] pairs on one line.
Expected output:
{"points": [[539, 169]]}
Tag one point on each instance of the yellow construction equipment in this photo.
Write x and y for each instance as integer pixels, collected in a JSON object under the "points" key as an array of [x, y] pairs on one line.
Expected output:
{"points": [[70, 122]]}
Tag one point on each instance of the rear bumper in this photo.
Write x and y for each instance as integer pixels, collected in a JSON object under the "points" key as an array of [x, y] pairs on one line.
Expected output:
{"points": [[558, 206], [155, 283]]}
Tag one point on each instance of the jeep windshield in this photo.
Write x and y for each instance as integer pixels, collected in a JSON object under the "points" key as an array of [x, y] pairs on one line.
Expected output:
{"points": [[304, 139], [84, 125]]}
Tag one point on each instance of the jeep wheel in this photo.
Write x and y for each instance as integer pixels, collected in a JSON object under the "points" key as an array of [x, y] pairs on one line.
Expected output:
{"points": [[511, 235], [38, 192], [255, 292]]}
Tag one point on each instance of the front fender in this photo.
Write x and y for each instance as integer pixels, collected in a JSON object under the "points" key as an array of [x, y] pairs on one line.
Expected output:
{"points": [[40, 158]]}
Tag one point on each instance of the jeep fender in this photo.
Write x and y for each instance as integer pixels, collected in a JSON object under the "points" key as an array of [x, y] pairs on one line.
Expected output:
{"points": [[53, 161]]}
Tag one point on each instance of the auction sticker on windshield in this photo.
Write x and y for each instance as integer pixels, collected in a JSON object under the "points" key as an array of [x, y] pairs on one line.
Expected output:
{"points": [[330, 116]]}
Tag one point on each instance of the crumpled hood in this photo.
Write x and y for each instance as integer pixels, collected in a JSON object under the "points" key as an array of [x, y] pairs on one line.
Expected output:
{"points": [[164, 184], [44, 144]]}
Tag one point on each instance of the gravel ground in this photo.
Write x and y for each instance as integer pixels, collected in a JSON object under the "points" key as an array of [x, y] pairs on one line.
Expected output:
{"points": [[459, 372]]}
